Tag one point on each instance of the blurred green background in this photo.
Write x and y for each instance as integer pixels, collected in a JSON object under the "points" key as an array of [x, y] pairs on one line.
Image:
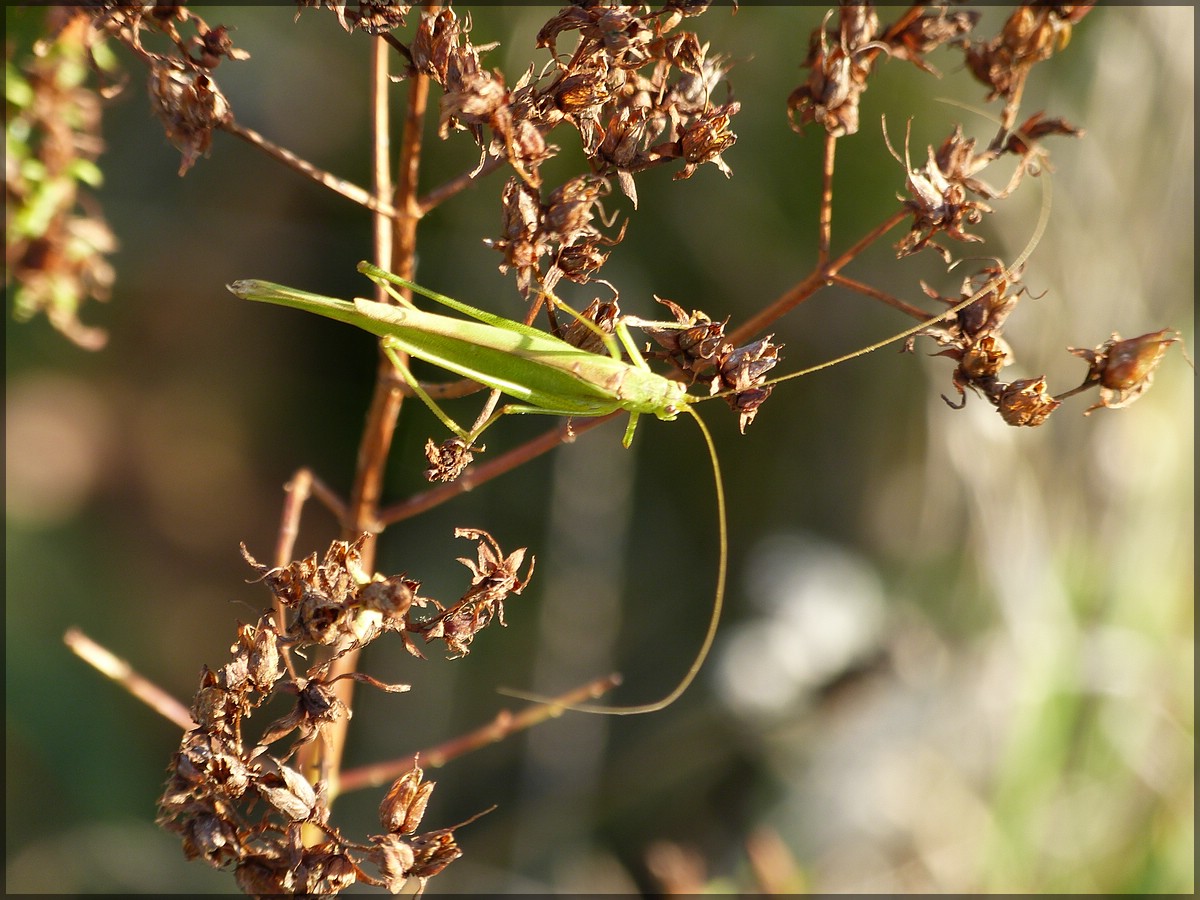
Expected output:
{"points": [[957, 656]]}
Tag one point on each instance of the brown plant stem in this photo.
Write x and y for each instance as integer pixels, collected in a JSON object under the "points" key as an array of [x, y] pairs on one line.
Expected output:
{"points": [[338, 185], [504, 725], [304, 484], [825, 216], [882, 296], [123, 674], [447, 390], [325, 757], [819, 278], [456, 185], [383, 226], [477, 475]]}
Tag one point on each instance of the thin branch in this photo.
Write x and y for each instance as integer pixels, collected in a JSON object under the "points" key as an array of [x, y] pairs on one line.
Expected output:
{"points": [[504, 725], [814, 282], [456, 185], [382, 158], [347, 189], [123, 674], [296, 493], [386, 400], [825, 215], [876, 294], [304, 484], [477, 475]]}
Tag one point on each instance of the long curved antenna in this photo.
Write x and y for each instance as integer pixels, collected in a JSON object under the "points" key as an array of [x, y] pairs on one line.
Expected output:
{"points": [[714, 619]]}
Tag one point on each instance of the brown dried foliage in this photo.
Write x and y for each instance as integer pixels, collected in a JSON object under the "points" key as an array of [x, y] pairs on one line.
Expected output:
{"points": [[220, 773], [56, 241], [635, 92]]}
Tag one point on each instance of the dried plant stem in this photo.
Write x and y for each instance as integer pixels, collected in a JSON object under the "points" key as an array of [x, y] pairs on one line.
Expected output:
{"points": [[459, 183], [387, 398], [825, 216], [338, 185], [384, 230], [504, 725], [819, 278], [304, 484], [123, 674], [882, 296], [477, 475]]}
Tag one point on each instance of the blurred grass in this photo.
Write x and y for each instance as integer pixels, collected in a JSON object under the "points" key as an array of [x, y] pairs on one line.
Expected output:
{"points": [[1020, 718]]}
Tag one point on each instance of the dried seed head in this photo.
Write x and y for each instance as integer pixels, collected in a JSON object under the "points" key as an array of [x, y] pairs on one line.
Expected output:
{"points": [[289, 792], [256, 664], [259, 877], [1124, 369], [602, 315], [743, 372], [211, 838], [927, 32], [582, 94], [971, 336], [571, 207], [190, 105], [447, 459], [838, 76], [433, 851], [1038, 126], [707, 139], [1030, 35], [522, 243], [437, 37], [983, 359], [211, 45], [696, 346], [577, 263], [692, 343], [471, 100], [216, 707], [404, 806], [939, 195], [375, 17], [1026, 402], [393, 856], [495, 576]]}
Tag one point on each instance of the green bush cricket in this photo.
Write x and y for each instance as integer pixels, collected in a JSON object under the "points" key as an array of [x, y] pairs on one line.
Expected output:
{"points": [[548, 375]]}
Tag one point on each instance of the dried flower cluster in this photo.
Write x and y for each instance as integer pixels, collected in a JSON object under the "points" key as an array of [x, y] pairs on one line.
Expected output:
{"points": [[972, 337], [183, 92], [637, 94], [220, 774], [941, 190], [56, 241], [842, 59], [696, 347], [1031, 35], [369, 17], [946, 196]]}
